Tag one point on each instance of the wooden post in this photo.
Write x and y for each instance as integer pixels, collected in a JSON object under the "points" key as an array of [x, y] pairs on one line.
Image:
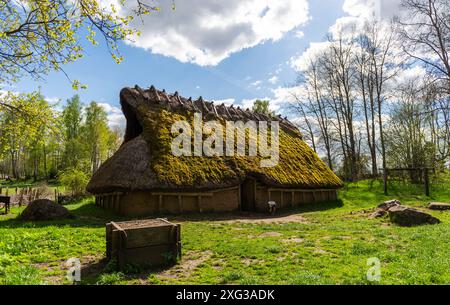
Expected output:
{"points": [[199, 202], [7, 191], [108, 240], [239, 198], [385, 177], [180, 204], [16, 190], [56, 196], [118, 202], [426, 182]]}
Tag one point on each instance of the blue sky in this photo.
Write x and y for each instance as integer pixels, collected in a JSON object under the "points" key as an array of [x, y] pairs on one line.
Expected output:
{"points": [[242, 75]]}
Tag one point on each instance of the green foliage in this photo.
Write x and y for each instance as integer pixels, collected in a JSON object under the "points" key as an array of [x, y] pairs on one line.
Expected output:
{"points": [[111, 278], [262, 107], [38, 142], [96, 134], [28, 126], [72, 123], [74, 179], [37, 37]]}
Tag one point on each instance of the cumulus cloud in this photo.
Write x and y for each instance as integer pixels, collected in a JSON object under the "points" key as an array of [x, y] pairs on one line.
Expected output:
{"points": [[207, 32], [114, 114], [301, 62], [359, 11], [248, 103]]}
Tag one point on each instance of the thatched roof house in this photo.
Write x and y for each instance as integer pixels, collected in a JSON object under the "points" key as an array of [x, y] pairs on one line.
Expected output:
{"points": [[143, 176]]}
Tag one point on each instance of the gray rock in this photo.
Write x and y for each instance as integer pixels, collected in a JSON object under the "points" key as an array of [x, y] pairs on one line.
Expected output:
{"points": [[439, 206], [406, 216], [385, 206], [378, 213], [44, 209]]}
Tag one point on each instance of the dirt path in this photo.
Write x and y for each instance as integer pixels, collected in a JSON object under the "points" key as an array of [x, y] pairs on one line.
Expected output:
{"points": [[266, 219]]}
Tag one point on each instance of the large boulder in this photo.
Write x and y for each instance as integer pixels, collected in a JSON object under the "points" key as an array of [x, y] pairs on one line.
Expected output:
{"points": [[44, 209], [439, 206], [406, 216]]}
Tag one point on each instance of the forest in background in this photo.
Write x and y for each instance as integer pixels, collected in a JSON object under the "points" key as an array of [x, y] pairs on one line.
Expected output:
{"points": [[373, 96], [43, 141], [377, 95]]}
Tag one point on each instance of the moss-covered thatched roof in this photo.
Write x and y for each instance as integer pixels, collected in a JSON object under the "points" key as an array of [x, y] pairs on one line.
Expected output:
{"points": [[145, 160]]}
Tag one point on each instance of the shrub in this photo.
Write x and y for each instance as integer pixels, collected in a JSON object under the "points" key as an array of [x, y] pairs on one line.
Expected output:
{"points": [[75, 180]]}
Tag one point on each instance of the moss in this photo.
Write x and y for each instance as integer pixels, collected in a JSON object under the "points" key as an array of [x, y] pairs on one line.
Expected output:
{"points": [[298, 164]]}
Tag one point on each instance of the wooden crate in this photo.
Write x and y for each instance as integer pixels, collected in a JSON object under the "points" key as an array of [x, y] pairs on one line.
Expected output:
{"points": [[151, 242]]}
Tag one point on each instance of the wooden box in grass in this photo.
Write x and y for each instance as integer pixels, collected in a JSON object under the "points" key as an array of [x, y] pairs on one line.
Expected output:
{"points": [[150, 242]]}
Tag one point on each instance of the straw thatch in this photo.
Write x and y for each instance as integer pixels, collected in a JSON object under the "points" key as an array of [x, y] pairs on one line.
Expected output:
{"points": [[145, 162]]}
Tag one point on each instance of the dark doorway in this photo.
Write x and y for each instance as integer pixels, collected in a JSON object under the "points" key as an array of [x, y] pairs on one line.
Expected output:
{"points": [[248, 190]]}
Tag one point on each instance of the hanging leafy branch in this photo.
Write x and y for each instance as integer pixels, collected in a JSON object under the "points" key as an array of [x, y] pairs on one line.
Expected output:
{"points": [[38, 36]]}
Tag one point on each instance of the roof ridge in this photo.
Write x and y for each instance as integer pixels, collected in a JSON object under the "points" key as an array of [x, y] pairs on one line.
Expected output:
{"points": [[175, 101]]}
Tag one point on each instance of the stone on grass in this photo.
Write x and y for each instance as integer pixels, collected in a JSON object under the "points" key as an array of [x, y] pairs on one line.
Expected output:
{"points": [[44, 209], [378, 213], [383, 208], [388, 204], [439, 206], [406, 216]]}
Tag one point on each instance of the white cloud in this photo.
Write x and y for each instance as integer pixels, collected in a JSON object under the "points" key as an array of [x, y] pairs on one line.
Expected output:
{"points": [[299, 34], [301, 63], [380, 9], [227, 101], [256, 83], [115, 115], [248, 103], [53, 100], [273, 80], [207, 32]]}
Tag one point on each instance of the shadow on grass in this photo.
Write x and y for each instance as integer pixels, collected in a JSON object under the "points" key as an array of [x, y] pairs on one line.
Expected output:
{"points": [[86, 216], [193, 217], [105, 271], [92, 216]]}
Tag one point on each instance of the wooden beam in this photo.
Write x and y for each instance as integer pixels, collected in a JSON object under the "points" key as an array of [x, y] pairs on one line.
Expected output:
{"points": [[160, 202], [199, 203], [183, 194]]}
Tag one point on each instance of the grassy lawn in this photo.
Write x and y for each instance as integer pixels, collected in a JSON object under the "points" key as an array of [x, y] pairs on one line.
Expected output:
{"points": [[326, 244]]}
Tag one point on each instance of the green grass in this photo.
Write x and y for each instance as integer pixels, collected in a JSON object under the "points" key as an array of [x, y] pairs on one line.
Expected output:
{"points": [[332, 247], [10, 186]]}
